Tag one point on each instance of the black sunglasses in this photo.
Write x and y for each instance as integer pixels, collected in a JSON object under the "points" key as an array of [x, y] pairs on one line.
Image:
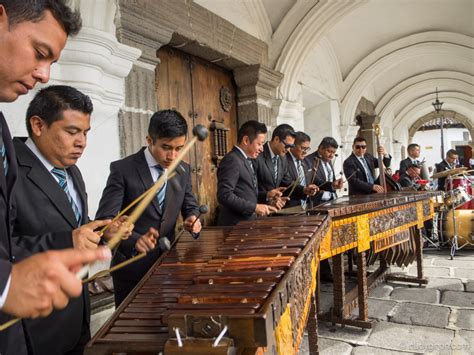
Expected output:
{"points": [[287, 146], [360, 146]]}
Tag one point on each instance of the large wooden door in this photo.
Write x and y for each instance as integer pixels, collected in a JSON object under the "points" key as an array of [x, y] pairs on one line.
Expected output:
{"points": [[203, 93]]}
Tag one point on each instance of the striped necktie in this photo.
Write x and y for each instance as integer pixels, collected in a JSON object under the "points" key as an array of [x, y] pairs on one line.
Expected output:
{"points": [[368, 173], [302, 180], [275, 168], [161, 194], [254, 176], [3, 153], [62, 180]]}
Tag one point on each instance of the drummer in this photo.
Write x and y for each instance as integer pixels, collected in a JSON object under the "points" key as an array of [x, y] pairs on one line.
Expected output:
{"points": [[409, 179], [448, 163]]}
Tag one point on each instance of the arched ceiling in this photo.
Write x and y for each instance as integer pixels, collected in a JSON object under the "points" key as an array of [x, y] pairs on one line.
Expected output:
{"points": [[393, 52]]}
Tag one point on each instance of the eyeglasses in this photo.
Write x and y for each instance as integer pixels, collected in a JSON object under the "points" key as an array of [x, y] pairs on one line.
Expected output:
{"points": [[305, 149], [360, 146], [288, 146]]}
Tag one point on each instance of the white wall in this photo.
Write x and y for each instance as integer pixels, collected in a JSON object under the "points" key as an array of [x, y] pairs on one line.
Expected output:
{"points": [[430, 142]]}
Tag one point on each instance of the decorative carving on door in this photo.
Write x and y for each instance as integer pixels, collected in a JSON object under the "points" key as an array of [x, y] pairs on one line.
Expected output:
{"points": [[219, 141], [225, 98]]}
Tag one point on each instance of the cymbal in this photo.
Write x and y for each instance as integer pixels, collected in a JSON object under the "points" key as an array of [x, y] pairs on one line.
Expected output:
{"points": [[449, 172]]}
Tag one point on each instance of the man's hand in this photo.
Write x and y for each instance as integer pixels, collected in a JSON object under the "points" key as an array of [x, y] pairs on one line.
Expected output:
{"points": [[147, 242], [338, 184], [381, 150], [311, 190], [278, 192], [115, 226], [188, 224], [378, 189], [45, 281], [84, 237], [279, 202], [264, 210]]}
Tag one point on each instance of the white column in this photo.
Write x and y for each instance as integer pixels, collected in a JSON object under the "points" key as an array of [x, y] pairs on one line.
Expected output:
{"points": [[289, 112], [95, 63]]}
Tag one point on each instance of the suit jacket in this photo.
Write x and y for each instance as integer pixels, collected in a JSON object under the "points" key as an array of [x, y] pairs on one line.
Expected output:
{"points": [[406, 181], [44, 220], [293, 174], [358, 183], [443, 166], [12, 340], [266, 175], [129, 178], [320, 177], [236, 194], [405, 163]]}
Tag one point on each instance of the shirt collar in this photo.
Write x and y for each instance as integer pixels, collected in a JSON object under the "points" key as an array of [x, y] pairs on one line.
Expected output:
{"points": [[242, 151], [30, 144], [272, 155], [150, 159]]}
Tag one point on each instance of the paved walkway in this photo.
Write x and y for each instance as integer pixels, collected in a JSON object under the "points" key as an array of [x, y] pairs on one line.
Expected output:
{"points": [[437, 318]]}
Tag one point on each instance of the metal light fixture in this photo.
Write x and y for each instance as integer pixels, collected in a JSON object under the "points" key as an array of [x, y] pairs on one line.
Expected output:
{"points": [[437, 106]]}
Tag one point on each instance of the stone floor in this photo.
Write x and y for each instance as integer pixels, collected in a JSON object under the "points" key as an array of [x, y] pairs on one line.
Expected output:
{"points": [[437, 318]]}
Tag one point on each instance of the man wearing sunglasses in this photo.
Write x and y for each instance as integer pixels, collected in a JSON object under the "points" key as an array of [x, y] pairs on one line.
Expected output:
{"points": [[272, 168], [360, 165]]}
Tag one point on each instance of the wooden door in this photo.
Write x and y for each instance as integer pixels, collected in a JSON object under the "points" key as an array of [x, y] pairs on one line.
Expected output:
{"points": [[203, 93]]}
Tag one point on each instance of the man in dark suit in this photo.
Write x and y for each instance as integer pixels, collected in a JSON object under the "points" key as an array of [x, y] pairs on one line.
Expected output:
{"points": [[413, 151], [298, 167], [130, 178], [58, 120], [408, 180], [32, 35], [237, 184], [448, 163], [359, 166], [272, 166], [324, 176]]}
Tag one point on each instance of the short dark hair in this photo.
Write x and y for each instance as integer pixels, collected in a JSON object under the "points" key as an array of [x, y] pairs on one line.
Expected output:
{"points": [[328, 142], [50, 103], [451, 152], [359, 139], [301, 137], [34, 11], [282, 131], [167, 124], [412, 146], [251, 129]]}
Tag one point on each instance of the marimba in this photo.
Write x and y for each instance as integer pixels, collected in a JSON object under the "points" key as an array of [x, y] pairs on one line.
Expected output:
{"points": [[247, 289], [387, 225]]}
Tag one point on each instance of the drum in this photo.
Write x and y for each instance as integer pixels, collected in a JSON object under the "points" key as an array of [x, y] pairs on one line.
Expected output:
{"points": [[464, 226], [463, 188]]}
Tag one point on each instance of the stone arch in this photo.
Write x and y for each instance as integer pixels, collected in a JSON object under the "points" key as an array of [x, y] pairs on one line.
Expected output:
{"points": [[452, 45]]}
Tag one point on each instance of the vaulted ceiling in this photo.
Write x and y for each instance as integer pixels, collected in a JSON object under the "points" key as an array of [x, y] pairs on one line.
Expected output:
{"points": [[393, 52]]}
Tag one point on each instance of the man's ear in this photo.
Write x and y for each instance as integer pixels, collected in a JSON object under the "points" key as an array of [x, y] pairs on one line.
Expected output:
{"points": [[149, 140], [37, 125]]}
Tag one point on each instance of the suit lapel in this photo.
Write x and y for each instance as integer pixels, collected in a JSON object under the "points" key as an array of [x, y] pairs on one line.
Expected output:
{"points": [[173, 190], [45, 182], [269, 162], [291, 167], [145, 176], [247, 166]]}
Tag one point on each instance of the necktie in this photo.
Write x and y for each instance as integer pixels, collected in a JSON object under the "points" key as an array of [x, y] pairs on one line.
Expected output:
{"points": [[275, 168], [329, 172], [368, 173], [3, 153], [302, 180], [161, 194], [254, 176], [62, 180]]}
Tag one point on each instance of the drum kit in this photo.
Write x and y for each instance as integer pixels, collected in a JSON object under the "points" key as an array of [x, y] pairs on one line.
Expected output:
{"points": [[457, 212]]}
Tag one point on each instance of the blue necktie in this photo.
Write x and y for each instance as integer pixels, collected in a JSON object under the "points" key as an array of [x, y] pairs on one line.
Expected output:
{"points": [[3, 153], [62, 180], [161, 194], [368, 173]]}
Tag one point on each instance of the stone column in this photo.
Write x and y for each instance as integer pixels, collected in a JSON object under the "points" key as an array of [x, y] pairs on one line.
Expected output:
{"points": [[347, 133], [366, 123], [256, 89]]}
